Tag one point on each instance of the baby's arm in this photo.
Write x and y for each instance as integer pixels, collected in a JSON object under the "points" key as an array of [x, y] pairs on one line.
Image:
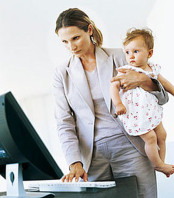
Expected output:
{"points": [[166, 84], [115, 96]]}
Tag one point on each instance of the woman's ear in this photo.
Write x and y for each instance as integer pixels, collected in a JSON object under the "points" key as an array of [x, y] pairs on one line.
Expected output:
{"points": [[150, 53], [90, 29]]}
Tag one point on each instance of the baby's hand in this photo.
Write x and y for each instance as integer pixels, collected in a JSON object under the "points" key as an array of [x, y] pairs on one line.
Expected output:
{"points": [[120, 109]]}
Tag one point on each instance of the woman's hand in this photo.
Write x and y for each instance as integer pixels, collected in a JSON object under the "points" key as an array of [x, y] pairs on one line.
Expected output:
{"points": [[76, 171], [131, 79]]}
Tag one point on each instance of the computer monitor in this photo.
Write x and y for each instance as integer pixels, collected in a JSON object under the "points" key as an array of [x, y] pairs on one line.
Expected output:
{"points": [[22, 148]]}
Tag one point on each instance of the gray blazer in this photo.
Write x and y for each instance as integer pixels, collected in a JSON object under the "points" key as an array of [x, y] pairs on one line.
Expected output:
{"points": [[74, 106]]}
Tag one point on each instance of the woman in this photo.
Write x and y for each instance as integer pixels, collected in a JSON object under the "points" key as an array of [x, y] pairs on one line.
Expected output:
{"points": [[94, 142]]}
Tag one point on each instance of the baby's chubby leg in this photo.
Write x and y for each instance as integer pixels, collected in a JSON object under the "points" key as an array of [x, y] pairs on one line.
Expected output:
{"points": [[150, 140], [161, 140]]}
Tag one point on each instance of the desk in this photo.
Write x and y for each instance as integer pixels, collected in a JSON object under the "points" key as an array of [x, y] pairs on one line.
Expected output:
{"points": [[126, 187]]}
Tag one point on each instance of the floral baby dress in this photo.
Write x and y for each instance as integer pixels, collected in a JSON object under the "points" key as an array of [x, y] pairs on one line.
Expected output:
{"points": [[143, 111]]}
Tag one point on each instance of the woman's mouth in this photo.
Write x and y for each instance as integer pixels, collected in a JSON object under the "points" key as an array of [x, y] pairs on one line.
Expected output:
{"points": [[76, 52]]}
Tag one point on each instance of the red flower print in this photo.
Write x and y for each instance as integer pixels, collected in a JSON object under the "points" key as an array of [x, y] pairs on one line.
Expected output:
{"points": [[129, 101], [130, 130], [135, 117]]}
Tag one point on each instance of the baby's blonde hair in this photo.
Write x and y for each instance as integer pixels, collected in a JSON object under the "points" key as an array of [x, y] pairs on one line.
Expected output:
{"points": [[146, 33]]}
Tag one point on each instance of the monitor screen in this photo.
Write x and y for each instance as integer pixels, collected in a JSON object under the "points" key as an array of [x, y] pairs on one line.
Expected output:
{"points": [[20, 143]]}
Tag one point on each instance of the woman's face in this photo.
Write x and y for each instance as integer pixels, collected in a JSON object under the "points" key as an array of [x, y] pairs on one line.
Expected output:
{"points": [[76, 40]]}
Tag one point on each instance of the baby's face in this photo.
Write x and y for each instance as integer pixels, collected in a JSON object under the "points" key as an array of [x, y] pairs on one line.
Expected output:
{"points": [[137, 53]]}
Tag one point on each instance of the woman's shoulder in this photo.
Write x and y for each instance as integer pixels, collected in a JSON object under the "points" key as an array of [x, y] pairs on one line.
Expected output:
{"points": [[61, 67], [117, 54], [114, 51]]}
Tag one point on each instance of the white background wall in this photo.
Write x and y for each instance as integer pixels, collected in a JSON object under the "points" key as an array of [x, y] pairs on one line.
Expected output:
{"points": [[30, 50]]}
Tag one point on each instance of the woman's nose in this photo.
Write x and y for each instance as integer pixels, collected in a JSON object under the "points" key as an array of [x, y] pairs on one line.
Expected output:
{"points": [[72, 47]]}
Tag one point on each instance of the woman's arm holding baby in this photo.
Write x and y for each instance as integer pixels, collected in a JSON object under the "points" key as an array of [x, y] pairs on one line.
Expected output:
{"points": [[131, 79]]}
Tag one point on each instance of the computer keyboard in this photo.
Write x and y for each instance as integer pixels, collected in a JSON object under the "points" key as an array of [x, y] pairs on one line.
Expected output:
{"points": [[59, 186]]}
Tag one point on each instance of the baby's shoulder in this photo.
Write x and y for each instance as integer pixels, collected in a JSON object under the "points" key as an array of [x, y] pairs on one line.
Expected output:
{"points": [[156, 68]]}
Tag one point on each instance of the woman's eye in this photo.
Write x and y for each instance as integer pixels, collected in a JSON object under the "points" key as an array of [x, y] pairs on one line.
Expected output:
{"points": [[64, 41]]}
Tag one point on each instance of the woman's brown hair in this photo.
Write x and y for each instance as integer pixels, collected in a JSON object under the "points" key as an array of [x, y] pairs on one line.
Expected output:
{"points": [[78, 18]]}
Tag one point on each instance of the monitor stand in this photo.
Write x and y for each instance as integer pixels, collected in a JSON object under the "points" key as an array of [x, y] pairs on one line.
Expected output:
{"points": [[15, 186]]}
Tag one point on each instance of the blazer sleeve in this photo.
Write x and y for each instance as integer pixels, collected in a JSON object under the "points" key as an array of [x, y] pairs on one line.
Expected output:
{"points": [[65, 120], [161, 94]]}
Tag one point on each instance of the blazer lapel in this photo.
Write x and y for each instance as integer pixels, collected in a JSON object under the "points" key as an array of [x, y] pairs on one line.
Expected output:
{"points": [[105, 73], [77, 75]]}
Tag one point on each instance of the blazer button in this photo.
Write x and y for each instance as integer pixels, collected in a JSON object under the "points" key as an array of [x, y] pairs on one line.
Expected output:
{"points": [[115, 115]]}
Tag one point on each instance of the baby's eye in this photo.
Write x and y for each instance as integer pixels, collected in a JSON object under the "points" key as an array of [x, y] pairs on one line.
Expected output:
{"points": [[127, 52], [136, 51], [76, 37]]}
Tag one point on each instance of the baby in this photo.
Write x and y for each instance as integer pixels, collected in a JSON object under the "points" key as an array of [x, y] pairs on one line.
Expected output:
{"points": [[138, 109]]}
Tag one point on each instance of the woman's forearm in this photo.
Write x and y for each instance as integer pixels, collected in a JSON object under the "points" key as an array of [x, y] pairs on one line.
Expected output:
{"points": [[155, 88], [131, 79], [147, 84]]}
